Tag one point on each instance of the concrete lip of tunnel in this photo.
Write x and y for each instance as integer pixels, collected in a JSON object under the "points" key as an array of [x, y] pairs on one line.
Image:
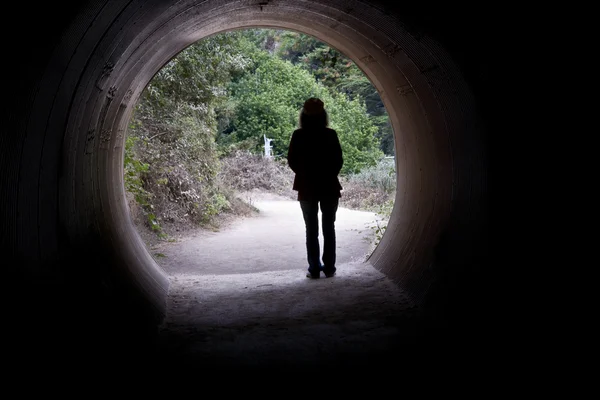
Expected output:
{"points": [[64, 214]]}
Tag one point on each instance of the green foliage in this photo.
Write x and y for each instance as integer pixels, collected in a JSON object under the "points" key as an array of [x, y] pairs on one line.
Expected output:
{"points": [[384, 211], [154, 223], [371, 189], [268, 101], [196, 77], [174, 126], [134, 169], [135, 172], [339, 74], [218, 97], [216, 204], [356, 132], [381, 176]]}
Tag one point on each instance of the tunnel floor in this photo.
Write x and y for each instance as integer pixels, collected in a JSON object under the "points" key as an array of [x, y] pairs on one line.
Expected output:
{"points": [[280, 318], [240, 298]]}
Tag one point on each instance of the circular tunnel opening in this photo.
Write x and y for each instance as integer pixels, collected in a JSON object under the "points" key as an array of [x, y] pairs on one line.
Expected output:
{"points": [[423, 159], [70, 190], [196, 162]]}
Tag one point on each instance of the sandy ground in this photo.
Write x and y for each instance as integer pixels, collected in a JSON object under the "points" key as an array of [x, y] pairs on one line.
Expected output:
{"points": [[240, 298]]}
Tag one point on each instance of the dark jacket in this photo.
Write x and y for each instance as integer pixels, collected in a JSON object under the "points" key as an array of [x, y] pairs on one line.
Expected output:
{"points": [[315, 155]]}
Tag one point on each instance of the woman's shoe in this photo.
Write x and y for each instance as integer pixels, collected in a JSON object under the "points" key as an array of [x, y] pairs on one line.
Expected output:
{"points": [[328, 272]]}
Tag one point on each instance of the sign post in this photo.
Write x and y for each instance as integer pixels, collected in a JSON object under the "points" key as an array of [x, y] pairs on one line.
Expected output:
{"points": [[268, 147]]}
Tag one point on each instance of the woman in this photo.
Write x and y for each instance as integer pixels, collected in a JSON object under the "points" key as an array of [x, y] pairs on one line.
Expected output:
{"points": [[315, 155]]}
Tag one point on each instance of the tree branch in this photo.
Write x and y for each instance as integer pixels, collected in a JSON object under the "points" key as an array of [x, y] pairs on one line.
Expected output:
{"points": [[158, 134]]}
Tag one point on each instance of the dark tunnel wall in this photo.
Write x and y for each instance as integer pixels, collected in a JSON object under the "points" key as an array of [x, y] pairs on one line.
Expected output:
{"points": [[72, 83]]}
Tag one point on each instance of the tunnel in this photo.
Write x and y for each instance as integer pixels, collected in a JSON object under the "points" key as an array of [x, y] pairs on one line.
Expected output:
{"points": [[75, 269]]}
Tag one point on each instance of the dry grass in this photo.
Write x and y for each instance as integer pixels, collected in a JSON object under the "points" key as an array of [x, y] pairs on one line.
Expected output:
{"points": [[244, 171], [368, 191], [371, 189], [358, 196]]}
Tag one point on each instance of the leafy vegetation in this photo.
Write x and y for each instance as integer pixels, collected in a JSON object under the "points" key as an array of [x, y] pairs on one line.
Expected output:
{"points": [[339, 74], [266, 100], [197, 133]]}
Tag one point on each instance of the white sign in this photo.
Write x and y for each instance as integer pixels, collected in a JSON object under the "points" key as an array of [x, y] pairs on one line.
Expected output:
{"points": [[268, 147]]}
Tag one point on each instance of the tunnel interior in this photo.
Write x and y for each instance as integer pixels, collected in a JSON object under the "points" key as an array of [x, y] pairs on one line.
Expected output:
{"points": [[65, 225]]}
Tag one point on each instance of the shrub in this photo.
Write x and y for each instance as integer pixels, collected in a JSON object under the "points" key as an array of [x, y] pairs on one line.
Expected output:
{"points": [[381, 177], [371, 188], [245, 171]]}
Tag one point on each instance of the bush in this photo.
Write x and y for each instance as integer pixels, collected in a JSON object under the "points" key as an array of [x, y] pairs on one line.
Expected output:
{"points": [[381, 177], [371, 188], [135, 176], [245, 171], [384, 211]]}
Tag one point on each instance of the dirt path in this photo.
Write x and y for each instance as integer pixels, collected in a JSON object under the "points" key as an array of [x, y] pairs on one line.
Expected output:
{"points": [[240, 297], [272, 241]]}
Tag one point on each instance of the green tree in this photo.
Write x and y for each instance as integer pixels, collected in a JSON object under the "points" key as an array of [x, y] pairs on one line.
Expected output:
{"points": [[268, 101], [338, 73], [174, 125]]}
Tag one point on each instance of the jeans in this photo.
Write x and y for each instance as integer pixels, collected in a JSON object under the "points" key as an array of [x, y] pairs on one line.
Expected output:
{"points": [[310, 211]]}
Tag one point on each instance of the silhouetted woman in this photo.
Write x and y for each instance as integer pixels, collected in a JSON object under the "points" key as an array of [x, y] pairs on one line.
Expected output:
{"points": [[315, 155]]}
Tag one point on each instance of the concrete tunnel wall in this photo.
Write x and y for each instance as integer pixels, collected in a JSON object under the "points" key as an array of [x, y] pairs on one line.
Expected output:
{"points": [[64, 214]]}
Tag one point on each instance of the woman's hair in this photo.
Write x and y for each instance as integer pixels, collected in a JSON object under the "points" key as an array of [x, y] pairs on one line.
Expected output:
{"points": [[313, 114]]}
